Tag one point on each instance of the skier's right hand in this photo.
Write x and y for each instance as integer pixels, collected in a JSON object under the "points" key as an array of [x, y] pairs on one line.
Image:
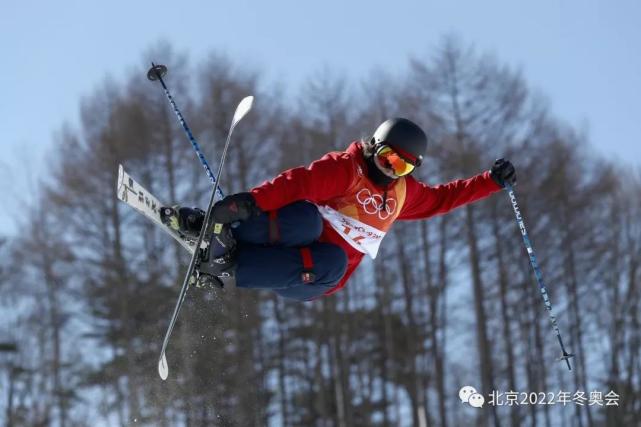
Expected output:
{"points": [[235, 207]]}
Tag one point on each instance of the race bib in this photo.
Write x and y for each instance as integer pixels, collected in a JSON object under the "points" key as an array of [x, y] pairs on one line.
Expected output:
{"points": [[362, 237]]}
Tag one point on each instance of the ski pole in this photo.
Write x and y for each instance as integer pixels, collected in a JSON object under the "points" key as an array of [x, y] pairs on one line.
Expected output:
{"points": [[156, 72], [537, 273]]}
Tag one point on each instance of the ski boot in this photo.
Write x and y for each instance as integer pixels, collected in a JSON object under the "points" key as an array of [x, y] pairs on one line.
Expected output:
{"points": [[186, 221], [218, 262]]}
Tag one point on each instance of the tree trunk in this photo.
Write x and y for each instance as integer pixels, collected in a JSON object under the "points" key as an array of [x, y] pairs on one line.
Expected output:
{"points": [[506, 321], [487, 382], [415, 389]]}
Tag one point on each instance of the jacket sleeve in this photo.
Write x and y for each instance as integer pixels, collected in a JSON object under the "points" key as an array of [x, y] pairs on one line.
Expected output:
{"points": [[423, 201], [324, 179]]}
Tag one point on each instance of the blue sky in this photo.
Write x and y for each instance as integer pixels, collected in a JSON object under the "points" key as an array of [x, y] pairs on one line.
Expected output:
{"points": [[585, 56]]}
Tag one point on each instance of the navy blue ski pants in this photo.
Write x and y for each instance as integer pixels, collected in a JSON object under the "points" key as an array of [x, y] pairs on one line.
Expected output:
{"points": [[279, 251]]}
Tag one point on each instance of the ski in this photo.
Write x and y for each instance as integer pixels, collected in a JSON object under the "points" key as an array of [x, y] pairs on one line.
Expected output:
{"points": [[136, 196], [206, 231]]}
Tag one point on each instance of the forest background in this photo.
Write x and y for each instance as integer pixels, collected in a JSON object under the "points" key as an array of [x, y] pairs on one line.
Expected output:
{"points": [[87, 285]]}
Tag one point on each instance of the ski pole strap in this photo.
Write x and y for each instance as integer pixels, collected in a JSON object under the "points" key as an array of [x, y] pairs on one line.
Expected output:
{"points": [[308, 275], [274, 232]]}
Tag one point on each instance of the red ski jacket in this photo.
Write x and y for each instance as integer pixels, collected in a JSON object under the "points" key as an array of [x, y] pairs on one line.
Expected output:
{"points": [[356, 212]]}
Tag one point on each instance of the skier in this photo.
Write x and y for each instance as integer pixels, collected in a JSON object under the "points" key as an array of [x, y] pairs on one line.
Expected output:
{"points": [[303, 233]]}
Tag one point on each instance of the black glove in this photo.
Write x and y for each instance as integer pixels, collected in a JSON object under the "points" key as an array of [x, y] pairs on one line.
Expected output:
{"points": [[503, 172], [235, 207]]}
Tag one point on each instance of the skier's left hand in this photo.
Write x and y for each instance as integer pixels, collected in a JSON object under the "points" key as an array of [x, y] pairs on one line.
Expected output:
{"points": [[503, 172], [235, 207]]}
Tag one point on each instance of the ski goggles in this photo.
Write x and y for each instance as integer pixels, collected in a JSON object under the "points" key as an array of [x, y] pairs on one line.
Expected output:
{"points": [[391, 159]]}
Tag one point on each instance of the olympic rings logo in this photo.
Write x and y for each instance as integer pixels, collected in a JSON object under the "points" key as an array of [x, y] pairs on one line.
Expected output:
{"points": [[373, 204]]}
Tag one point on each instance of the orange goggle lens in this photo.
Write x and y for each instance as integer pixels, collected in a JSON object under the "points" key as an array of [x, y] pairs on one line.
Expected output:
{"points": [[391, 159]]}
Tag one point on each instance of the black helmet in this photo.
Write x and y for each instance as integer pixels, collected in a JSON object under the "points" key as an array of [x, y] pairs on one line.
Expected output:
{"points": [[405, 137]]}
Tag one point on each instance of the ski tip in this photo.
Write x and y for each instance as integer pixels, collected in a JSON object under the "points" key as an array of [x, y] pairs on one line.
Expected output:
{"points": [[243, 108], [163, 369]]}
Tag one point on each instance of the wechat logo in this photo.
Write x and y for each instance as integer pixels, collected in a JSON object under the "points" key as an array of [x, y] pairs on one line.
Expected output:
{"points": [[468, 394]]}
